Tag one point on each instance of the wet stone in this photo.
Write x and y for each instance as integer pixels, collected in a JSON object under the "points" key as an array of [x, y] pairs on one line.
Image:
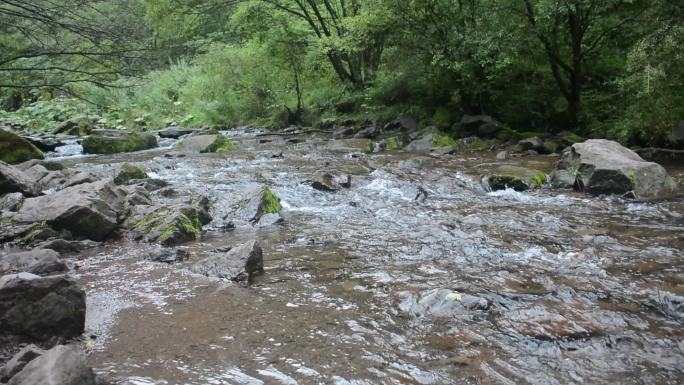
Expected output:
{"points": [[238, 264]]}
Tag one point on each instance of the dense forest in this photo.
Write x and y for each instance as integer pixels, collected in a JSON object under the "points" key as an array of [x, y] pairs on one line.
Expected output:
{"points": [[610, 68]]}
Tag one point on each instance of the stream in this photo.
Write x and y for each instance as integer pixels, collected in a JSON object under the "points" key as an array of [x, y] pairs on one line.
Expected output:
{"points": [[414, 275]]}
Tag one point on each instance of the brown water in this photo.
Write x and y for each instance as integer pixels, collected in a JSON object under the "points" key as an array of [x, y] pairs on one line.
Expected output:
{"points": [[370, 285]]}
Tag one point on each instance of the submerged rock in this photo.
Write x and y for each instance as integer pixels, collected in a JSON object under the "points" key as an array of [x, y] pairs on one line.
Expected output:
{"points": [[238, 264], [61, 365], [14, 180], [116, 141], [39, 308], [128, 172], [515, 177], [15, 149], [38, 261], [605, 167], [92, 210], [327, 182], [19, 361], [442, 303]]}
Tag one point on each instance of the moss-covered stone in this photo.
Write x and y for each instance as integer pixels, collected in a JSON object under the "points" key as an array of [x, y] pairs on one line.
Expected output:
{"points": [[269, 204], [220, 145], [392, 143], [171, 225], [15, 149], [77, 126], [129, 172], [117, 141], [517, 178]]}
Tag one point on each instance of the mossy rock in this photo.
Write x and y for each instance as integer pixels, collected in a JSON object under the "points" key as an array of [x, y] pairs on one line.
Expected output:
{"points": [[15, 149], [129, 172], [220, 145], [117, 141], [269, 204], [507, 134], [172, 225], [516, 177]]}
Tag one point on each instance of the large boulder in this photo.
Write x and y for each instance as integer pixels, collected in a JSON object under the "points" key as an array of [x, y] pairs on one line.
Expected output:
{"points": [[206, 144], [260, 203], [15, 149], [238, 264], [605, 167], [14, 180], [38, 261], [61, 365], [39, 308], [92, 210], [480, 125], [116, 141]]}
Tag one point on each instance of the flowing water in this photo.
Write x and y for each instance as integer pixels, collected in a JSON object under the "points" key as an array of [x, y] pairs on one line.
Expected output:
{"points": [[414, 275]]}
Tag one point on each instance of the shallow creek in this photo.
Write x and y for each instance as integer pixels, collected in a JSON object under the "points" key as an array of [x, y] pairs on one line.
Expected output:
{"points": [[414, 275]]}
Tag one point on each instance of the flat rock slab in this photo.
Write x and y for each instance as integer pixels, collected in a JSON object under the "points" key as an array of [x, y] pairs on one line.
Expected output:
{"points": [[238, 264], [61, 365], [92, 210], [38, 261], [39, 308]]}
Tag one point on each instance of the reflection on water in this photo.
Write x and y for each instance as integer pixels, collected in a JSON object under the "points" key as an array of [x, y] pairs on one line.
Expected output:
{"points": [[370, 285]]}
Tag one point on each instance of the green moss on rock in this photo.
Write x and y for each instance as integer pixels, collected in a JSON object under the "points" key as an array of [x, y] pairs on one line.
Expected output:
{"points": [[15, 149], [220, 145], [392, 143], [270, 203], [129, 172]]}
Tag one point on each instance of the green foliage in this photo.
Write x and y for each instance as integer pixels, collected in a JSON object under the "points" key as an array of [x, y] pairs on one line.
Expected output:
{"points": [[440, 139], [44, 115]]}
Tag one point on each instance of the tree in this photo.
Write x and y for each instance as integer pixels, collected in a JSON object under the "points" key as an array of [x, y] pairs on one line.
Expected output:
{"points": [[572, 32], [56, 43]]}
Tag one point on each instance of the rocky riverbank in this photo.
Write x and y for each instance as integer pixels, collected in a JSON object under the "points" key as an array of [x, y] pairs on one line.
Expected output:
{"points": [[361, 234]]}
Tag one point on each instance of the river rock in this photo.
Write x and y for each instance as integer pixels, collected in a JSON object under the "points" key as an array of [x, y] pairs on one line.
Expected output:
{"points": [[92, 210], [14, 180], [128, 172], [77, 126], [329, 183], [116, 141], [515, 177], [606, 167], [175, 132], [48, 164], [37, 261], [18, 361], [431, 140], [63, 245], [44, 143], [481, 125], [168, 255], [15, 149], [259, 202], [442, 303], [404, 123], [40, 308], [238, 264], [206, 144], [61, 365], [172, 225], [11, 201]]}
